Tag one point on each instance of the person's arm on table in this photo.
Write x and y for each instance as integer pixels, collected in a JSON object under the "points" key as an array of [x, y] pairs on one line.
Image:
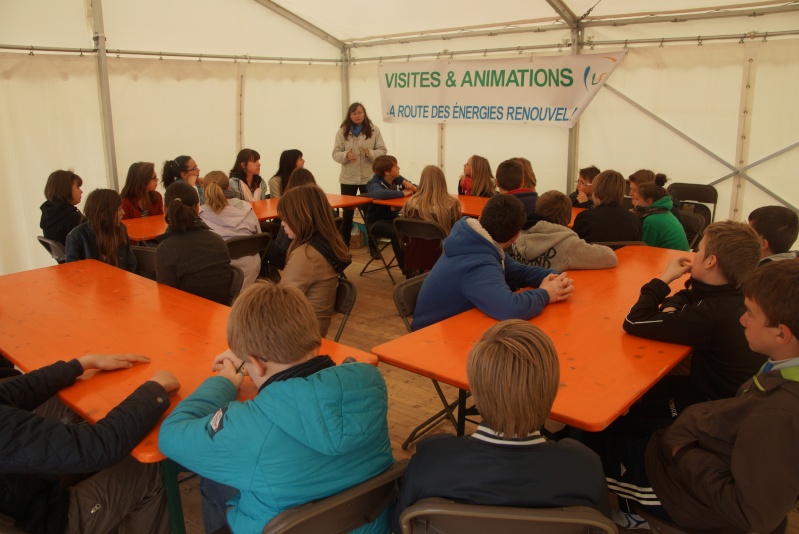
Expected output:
{"points": [[485, 287], [200, 435], [80, 448], [375, 190]]}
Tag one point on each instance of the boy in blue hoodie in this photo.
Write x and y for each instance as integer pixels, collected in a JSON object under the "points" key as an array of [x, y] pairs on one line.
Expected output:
{"points": [[313, 430]]}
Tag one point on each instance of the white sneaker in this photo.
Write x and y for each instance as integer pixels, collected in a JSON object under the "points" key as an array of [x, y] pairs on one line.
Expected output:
{"points": [[629, 521]]}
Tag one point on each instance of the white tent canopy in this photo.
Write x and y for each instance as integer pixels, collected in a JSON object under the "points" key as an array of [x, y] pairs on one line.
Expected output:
{"points": [[703, 95]]}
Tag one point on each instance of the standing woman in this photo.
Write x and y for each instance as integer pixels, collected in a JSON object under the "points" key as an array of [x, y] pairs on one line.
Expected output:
{"points": [[290, 160], [477, 179], [358, 144], [59, 212], [191, 257], [184, 169], [102, 237], [139, 197], [317, 254], [245, 179]]}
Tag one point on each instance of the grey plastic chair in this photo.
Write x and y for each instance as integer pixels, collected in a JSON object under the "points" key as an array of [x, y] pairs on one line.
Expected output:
{"points": [[345, 511], [378, 245], [345, 301], [55, 249], [694, 226], [145, 260], [441, 516], [421, 241], [236, 281], [248, 245]]}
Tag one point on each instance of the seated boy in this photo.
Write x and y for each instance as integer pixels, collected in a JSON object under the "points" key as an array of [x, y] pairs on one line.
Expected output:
{"points": [[704, 315], [730, 462], [513, 374], [549, 243], [474, 271], [582, 196], [37, 448], [510, 178], [778, 228], [387, 183], [314, 429], [607, 220]]}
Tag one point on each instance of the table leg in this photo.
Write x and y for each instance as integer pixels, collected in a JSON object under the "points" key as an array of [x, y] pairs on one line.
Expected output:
{"points": [[169, 473], [462, 394]]}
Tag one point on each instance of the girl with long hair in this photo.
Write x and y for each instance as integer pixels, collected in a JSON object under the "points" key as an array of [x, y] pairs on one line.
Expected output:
{"points": [[183, 169], [279, 246], [290, 160], [432, 202], [102, 237], [477, 179], [317, 255], [59, 212], [139, 197], [231, 221], [245, 178], [358, 143], [191, 257]]}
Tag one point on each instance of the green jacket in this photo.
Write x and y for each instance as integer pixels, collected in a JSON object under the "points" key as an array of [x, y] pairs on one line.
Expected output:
{"points": [[663, 229]]}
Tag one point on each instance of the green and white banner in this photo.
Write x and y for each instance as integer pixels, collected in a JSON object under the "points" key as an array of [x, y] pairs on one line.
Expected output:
{"points": [[552, 90]]}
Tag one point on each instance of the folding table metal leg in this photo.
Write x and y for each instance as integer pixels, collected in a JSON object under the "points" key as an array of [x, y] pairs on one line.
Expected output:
{"points": [[169, 474], [462, 394]]}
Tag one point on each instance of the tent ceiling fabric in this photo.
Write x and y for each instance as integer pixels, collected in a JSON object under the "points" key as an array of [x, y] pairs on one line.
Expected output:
{"points": [[353, 21]]}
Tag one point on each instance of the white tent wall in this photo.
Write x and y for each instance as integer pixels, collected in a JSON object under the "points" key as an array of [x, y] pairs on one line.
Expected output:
{"points": [[161, 109]]}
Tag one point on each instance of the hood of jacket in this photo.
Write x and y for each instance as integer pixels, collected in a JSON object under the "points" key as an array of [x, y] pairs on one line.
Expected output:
{"points": [[469, 237], [323, 247], [53, 213], [231, 218], [539, 239], [333, 411]]}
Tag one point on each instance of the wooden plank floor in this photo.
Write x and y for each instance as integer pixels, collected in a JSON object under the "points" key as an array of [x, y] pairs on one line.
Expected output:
{"points": [[411, 398]]}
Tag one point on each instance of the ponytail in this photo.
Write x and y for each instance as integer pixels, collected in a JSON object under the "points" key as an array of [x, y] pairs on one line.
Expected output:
{"points": [[172, 170], [661, 179], [181, 201], [215, 197]]}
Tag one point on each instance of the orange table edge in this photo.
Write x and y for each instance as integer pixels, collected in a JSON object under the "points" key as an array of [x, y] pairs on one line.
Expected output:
{"points": [[603, 370]]}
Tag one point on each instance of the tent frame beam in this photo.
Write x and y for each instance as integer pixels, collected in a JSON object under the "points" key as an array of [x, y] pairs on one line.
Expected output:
{"points": [[302, 23], [109, 147]]}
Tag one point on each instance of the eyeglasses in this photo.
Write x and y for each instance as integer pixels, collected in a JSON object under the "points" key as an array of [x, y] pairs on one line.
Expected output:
{"points": [[155, 177], [357, 113], [192, 169], [242, 370]]}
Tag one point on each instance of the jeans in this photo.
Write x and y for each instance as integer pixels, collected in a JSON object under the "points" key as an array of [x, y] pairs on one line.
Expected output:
{"points": [[385, 228], [348, 213], [214, 504]]}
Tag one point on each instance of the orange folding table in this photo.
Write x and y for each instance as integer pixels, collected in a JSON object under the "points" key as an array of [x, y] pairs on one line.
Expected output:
{"points": [[603, 370], [88, 307], [471, 206]]}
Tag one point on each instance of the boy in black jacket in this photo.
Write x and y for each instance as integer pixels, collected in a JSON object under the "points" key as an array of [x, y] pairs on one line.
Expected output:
{"points": [[705, 315], [36, 449]]}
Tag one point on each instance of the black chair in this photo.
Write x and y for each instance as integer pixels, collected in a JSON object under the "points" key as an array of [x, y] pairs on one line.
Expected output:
{"points": [[377, 245], [441, 516], [236, 281], [345, 511], [696, 198], [345, 301], [405, 295], [248, 245], [421, 241], [694, 226], [54, 248], [145, 260]]}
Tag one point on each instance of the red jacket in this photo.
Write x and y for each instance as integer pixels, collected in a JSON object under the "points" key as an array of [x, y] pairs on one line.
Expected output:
{"points": [[132, 210]]}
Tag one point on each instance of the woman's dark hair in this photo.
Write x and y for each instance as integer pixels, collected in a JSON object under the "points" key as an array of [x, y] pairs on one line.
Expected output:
{"points": [[173, 168], [101, 210], [181, 200], [59, 186], [306, 210], [245, 156], [651, 191], [135, 189], [347, 125], [288, 162], [300, 176], [589, 173]]}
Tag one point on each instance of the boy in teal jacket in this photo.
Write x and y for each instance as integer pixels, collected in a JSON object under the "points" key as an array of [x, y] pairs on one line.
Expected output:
{"points": [[313, 430]]}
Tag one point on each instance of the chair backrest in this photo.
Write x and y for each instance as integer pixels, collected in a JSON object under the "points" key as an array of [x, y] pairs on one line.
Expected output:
{"points": [[618, 244], [248, 245], [421, 241], [345, 511], [443, 516], [345, 301], [691, 196], [236, 281], [405, 295], [694, 225], [145, 260], [55, 249]]}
